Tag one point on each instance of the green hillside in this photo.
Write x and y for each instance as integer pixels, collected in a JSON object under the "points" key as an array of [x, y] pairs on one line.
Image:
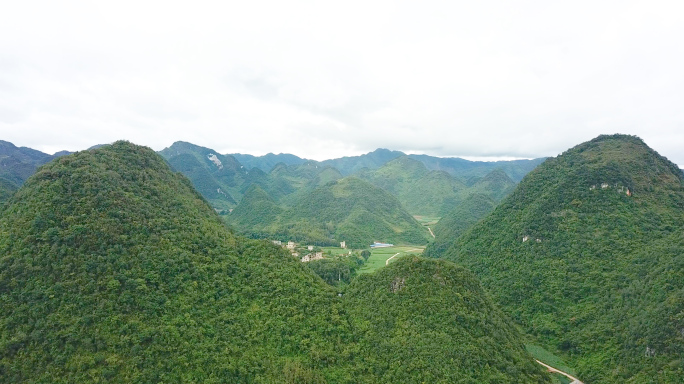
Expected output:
{"points": [[266, 162], [496, 184], [420, 191], [348, 209], [429, 321], [471, 210], [257, 212], [114, 269], [7, 188], [586, 254], [371, 160], [353, 210], [217, 177], [464, 169], [433, 193]]}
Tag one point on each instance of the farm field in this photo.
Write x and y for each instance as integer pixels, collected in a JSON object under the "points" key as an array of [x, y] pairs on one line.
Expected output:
{"points": [[336, 250], [379, 256]]}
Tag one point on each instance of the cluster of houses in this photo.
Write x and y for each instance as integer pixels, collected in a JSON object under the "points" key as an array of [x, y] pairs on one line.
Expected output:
{"points": [[291, 245]]}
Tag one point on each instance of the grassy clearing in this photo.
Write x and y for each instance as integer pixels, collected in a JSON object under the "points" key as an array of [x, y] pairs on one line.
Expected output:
{"points": [[335, 250], [379, 256], [549, 358]]}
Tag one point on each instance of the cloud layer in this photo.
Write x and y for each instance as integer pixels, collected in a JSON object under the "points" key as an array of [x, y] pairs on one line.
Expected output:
{"points": [[487, 78]]}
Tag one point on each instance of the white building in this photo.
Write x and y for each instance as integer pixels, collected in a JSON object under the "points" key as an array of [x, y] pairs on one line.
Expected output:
{"points": [[343, 244], [290, 245]]}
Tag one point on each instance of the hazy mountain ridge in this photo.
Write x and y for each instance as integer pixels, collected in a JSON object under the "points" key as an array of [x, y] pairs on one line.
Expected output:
{"points": [[18, 163], [568, 252]]}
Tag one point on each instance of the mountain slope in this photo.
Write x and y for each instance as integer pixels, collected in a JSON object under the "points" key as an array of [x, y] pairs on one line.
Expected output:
{"points": [[357, 212], [267, 161], [114, 269], [429, 321], [217, 177], [471, 210], [256, 213], [496, 184], [7, 188], [515, 169], [420, 191], [571, 251], [372, 160]]}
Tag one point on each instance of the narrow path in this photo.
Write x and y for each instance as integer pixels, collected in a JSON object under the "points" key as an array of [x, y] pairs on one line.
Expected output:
{"points": [[554, 370], [396, 254], [430, 229]]}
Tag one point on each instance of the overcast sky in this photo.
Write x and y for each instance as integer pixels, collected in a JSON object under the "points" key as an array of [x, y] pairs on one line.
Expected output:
{"points": [[321, 79]]}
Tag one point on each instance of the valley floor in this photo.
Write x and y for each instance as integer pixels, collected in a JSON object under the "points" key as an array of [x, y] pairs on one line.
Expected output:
{"points": [[383, 256]]}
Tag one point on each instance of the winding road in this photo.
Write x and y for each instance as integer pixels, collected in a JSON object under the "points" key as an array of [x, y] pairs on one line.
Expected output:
{"points": [[395, 255], [430, 229], [554, 370]]}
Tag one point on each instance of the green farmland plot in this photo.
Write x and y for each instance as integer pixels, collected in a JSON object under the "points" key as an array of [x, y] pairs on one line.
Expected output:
{"points": [[379, 256]]}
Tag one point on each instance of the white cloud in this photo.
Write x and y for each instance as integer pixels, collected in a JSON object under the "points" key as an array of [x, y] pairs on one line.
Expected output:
{"points": [[322, 79]]}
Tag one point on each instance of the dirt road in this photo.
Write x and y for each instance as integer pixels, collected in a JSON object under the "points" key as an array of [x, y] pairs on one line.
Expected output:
{"points": [[554, 370]]}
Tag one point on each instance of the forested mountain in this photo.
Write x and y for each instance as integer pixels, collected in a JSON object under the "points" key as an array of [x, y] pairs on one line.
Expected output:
{"points": [[348, 209], [257, 214], [515, 169], [421, 191], [587, 254], [429, 321], [114, 269], [496, 185], [267, 161], [217, 177], [372, 160], [433, 193], [471, 210]]}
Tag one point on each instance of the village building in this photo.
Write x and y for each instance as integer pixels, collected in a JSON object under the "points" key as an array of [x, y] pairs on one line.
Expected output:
{"points": [[343, 244], [290, 245], [312, 257]]}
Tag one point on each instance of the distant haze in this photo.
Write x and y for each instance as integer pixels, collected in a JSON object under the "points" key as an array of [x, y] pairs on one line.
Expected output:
{"points": [[476, 79]]}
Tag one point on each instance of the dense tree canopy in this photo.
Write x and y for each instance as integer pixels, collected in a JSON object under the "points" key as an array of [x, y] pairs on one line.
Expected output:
{"points": [[114, 269], [587, 255]]}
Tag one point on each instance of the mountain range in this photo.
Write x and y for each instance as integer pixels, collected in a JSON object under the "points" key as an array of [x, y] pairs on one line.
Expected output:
{"points": [[115, 269]]}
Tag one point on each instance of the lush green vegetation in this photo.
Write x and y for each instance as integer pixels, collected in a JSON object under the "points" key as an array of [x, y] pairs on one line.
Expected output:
{"points": [[433, 193], [348, 210], [600, 279], [266, 162], [114, 269], [429, 321], [471, 210], [465, 169], [7, 188], [379, 256]]}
